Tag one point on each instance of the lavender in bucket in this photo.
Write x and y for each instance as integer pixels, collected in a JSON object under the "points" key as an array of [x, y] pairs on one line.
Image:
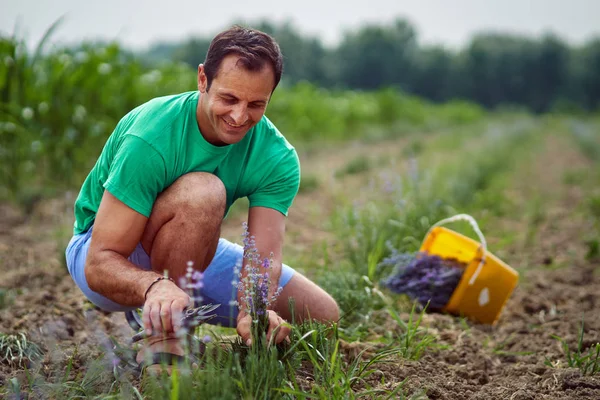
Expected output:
{"points": [[424, 277]]}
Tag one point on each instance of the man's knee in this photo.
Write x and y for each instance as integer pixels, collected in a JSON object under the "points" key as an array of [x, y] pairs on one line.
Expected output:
{"points": [[196, 192]]}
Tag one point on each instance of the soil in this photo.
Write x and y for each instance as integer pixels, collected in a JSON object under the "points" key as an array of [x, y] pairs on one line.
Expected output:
{"points": [[506, 361]]}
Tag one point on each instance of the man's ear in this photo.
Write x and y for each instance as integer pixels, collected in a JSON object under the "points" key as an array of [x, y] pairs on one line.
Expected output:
{"points": [[202, 80]]}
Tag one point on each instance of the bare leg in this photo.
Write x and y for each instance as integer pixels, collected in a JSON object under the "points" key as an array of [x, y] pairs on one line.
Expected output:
{"points": [[310, 301], [185, 224]]}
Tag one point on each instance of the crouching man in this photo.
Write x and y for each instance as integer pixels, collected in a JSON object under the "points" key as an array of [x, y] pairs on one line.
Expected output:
{"points": [[166, 178]]}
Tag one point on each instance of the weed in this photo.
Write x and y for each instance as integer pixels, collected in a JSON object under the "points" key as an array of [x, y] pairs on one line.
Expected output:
{"points": [[333, 377], [587, 362], [414, 340], [17, 351]]}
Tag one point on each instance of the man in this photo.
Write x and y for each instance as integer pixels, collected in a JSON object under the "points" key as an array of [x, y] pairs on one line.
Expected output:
{"points": [[168, 174]]}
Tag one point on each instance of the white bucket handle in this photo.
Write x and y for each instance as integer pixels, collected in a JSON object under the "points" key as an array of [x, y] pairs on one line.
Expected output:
{"points": [[473, 223]]}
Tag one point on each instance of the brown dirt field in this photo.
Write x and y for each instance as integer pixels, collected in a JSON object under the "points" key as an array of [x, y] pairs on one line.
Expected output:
{"points": [[505, 361]]}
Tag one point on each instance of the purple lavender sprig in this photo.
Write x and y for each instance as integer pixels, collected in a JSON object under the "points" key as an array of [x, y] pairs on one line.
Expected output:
{"points": [[255, 286], [192, 282]]}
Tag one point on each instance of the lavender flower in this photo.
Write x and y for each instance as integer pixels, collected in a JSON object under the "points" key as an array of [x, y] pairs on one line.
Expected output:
{"points": [[255, 284], [192, 282]]}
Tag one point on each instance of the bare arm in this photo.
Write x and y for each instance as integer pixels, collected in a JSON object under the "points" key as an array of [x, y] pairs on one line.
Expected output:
{"points": [[117, 231]]}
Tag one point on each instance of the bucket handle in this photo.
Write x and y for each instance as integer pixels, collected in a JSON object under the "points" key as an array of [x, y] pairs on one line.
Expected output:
{"points": [[483, 245]]}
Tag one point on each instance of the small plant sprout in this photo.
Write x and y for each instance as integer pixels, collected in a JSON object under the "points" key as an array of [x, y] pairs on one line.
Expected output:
{"points": [[587, 362], [17, 351]]}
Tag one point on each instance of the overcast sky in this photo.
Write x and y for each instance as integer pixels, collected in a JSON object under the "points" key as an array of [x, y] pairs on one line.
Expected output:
{"points": [[449, 22]]}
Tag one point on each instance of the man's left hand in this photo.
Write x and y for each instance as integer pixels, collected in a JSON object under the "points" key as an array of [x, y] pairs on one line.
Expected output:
{"points": [[277, 326]]}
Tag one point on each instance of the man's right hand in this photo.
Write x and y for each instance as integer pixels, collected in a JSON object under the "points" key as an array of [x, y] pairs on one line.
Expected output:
{"points": [[163, 308]]}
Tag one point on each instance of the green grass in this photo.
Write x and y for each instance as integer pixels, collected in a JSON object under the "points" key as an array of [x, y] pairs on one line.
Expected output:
{"points": [[7, 297], [355, 166], [308, 183], [586, 360], [226, 372], [17, 351]]}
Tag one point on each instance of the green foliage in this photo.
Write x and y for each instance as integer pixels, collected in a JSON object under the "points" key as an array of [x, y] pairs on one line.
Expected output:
{"points": [[400, 216], [58, 109], [355, 295], [59, 106]]}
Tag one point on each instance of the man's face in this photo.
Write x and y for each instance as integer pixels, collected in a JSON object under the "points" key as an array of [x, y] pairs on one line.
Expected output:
{"points": [[236, 101]]}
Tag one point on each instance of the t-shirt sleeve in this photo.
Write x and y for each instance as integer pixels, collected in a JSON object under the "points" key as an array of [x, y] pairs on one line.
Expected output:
{"points": [[280, 187], [137, 174]]}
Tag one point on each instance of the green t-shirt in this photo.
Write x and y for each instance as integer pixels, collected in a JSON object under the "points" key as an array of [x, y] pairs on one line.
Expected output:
{"points": [[159, 141]]}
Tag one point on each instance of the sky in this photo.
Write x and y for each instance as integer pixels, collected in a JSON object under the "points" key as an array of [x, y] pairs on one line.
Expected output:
{"points": [[138, 24]]}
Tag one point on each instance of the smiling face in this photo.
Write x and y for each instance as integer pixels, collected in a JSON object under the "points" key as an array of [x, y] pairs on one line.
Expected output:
{"points": [[234, 103]]}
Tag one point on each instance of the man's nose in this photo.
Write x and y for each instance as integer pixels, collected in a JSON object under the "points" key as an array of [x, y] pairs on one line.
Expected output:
{"points": [[239, 114]]}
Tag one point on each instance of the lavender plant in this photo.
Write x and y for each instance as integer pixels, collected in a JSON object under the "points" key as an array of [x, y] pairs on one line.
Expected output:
{"points": [[255, 286], [426, 278], [193, 283]]}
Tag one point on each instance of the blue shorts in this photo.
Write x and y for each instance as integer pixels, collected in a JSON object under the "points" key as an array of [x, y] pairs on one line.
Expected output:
{"points": [[218, 278]]}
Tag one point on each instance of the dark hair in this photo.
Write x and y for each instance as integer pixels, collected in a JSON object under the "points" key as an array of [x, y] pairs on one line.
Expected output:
{"points": [[255, 48]]}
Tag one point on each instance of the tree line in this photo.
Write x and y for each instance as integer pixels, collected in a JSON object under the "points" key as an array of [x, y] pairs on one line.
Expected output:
{"points": [[494, 69]]}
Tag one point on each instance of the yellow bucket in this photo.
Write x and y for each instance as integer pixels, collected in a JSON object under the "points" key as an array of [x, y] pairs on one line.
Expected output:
{"points": [[487, 282]]}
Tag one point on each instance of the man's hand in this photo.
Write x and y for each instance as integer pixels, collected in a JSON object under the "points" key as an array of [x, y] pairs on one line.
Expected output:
{"points": [[277, 325], [164, 307]]}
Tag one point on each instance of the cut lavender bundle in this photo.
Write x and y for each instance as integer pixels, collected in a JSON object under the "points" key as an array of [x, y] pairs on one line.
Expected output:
{"points": [[427, 279]]}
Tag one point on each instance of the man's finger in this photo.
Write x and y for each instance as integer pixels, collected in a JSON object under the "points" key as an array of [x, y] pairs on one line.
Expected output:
{"points": [[283, 331], [146, 319], [274, 321], [155, 318], [176, 315], [165, 317], [243, 329]]}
